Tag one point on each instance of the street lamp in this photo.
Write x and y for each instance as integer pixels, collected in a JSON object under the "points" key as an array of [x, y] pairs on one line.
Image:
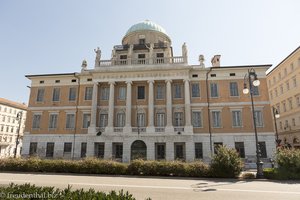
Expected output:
{"points": [[253, 81], [276, 115], [19, 118]]}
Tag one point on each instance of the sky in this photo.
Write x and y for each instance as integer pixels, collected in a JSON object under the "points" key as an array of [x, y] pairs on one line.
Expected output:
{"points": [[54, 36]]}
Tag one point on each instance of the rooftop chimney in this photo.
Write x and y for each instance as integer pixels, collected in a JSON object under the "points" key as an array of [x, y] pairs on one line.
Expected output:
{"points": [[215, 61]]}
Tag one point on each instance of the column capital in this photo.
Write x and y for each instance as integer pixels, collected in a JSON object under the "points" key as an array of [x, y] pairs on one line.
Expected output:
{"points": [[111, 82], [186, 80], [128, 82], [150, 81], [168, 81]]}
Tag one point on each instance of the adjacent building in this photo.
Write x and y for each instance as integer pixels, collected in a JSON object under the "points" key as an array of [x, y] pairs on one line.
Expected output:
{"points": [[144, 102], [284, 92], [12, 124]]}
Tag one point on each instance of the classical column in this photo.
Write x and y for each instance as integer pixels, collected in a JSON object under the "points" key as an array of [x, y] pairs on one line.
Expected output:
{"points": [[150, 127], [187, 102], [127, 127], [169, 126], [110, 123], [92, 127]]}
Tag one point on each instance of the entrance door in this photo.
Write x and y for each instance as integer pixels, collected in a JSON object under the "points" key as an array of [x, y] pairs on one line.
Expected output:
{"points": [[138, 150]]}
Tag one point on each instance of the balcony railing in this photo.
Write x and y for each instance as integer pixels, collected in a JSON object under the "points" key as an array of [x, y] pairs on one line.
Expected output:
{"points": [[138, 129], [178, 129], [142, 61], [159, 129], [118, 129]]}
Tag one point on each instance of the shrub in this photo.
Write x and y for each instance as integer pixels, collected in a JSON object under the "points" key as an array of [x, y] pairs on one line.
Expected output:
{"points": [[27, 191], [288, 161], [226, 163], [248, 175]]}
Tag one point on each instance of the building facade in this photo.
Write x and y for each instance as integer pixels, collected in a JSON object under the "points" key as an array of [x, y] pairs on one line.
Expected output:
{"points": [[12, 125], [146, 103], [284, 92]]}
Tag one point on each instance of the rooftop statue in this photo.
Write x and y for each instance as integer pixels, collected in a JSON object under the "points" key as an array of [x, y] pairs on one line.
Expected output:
{"points": [[98, 57]]}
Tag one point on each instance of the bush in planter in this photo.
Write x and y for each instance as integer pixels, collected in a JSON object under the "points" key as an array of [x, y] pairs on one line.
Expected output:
{"points": [[197, 169], [226, 163]]}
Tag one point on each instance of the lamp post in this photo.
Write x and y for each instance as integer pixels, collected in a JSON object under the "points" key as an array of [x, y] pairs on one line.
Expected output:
{"points": [[276, 115], [253, 81], [19, 118]]}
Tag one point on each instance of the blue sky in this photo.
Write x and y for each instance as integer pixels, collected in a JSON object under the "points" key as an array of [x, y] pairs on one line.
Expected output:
{"points": [[54, 36]]}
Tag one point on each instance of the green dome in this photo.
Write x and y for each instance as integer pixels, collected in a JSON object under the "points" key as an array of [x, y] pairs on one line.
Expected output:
{"points": [[146, 25]]}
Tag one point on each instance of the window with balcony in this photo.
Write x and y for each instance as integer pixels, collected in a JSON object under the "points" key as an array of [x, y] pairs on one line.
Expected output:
{"points": [[141, 59], [103, 120], [160, 119], [160, 151], [214, 90], [141, 120], [178, 119], [294, 82], [120, 119], [290, 103], [234, 91], [40, 95], [159, 58], [258, 118], [123, 59], [287, 85], [197, 119], [88, 93], [195, 90], [198, 150]]}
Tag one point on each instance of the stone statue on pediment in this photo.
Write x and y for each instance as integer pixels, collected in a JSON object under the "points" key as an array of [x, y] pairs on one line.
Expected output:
{"points": [[84, 65], [98, 57]]}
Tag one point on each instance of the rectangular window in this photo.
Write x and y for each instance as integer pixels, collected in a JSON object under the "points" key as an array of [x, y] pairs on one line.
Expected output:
{"points": [[179, 151], [53, 121], [281, 89], [122, 93], [298, 100], [104, 93], [216, 119], [217, 145], [234, 91], [141, 119], [141, 59], [67, 148], [88, 93], [120, 119], [141, 92], [56, 94], [287, 85], [86, 120], [32, 148], [118, 151], [263, 149], [196, 119], [255, 90], [240, 148], [83, 150], [99, 149], [36, 121], [177, 90], [294, 82], [50, 150], [214, 91], [195, 90], [160, 119], [72, 94], [160, 151], [70, 121], [258, 118], [290, 104], [236, 118], [198, 150], [178, 119], [160, 91], [40, 95], [103, 120]]}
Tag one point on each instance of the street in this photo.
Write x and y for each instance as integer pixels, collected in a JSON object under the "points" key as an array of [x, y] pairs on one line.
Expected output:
{"points": [[165, 188]]}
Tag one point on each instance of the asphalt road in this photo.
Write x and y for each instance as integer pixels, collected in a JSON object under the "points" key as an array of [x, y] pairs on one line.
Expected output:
{"points": [[166, 188]]}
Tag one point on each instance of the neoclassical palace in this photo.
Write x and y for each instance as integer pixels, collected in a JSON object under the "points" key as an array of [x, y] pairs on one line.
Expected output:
{"points": [[144, 102]]}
